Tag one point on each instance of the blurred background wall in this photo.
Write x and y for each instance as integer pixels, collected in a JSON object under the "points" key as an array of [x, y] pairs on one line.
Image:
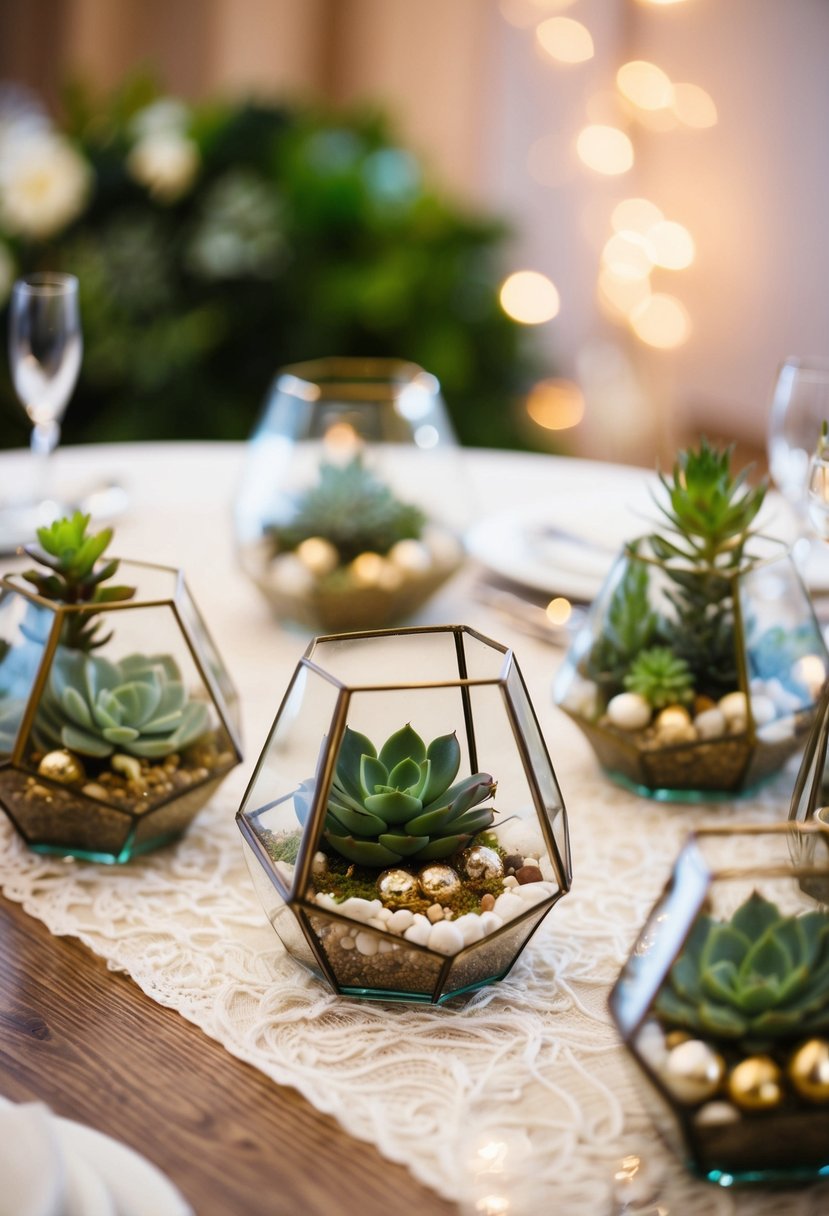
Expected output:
{"points": [[484, 92]]}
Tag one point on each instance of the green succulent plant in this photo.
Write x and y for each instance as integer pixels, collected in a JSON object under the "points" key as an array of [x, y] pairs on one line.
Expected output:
{"points": [[401, 803], [73, 575], [659, 676], [630, 626], [353, 509], [754, 979], [95, 707], [710, 513]]}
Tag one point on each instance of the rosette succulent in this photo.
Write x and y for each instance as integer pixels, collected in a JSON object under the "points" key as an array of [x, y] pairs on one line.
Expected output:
{"points": [[402, 803], [95, 707], [754, 979], [661, 677]]}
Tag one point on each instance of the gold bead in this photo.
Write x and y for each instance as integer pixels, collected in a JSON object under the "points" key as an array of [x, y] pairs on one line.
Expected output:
{"points": [[809, 1070], [481, 862], [439, 882], [693, 1071], [756, 1084], [63, 767], [397, 888]]}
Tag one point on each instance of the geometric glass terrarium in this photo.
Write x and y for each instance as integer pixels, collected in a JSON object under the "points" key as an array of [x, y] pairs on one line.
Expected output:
{"points": [[117, 720], [697, 672], [724, 1004], [337, 517], [404, 828]]}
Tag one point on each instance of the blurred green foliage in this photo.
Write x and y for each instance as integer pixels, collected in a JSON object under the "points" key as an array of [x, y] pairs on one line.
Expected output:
{"points": [[301, 234]]}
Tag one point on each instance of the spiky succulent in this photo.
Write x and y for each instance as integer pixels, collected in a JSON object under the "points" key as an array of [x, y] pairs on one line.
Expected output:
{"points": [[756, 978], [659, 676], [353, 509], [710, 513], [401, 803], [95, 707], [629, 627], [73, 575]]}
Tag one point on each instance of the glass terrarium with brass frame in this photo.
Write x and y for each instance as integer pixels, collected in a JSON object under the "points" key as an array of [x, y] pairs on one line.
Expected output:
{"points": [[697, 672], [404, 828], [118, 718], [724, 1004], [337, 517]]}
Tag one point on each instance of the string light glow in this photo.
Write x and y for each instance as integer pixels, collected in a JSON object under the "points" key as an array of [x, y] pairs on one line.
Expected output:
{"points": [[661, 321], [565, 40], [605, 149], [619, 296], [555, 405], [672, 245], [529, 297], [693, 106], [629, 255], [635, 214], [645, 84]]}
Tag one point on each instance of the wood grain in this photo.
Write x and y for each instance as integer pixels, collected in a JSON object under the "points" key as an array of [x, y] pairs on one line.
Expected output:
{"points": [[92, 1046]]}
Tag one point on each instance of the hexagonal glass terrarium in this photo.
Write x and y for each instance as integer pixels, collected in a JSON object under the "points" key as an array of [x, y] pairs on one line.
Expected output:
{"points": [[695, 685], [337, 520], [404, 827], [117, 720], [724, 1003]]}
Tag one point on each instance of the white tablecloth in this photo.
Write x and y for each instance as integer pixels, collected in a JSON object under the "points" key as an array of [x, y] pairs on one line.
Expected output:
{"points": [[532, 1063]]}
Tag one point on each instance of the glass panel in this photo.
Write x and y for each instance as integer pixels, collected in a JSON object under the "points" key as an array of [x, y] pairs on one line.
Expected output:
{"points": [[367, 962], [24, 631], [62, 820], [491, 958], [209, 655], [280, 914], [421, 657]]}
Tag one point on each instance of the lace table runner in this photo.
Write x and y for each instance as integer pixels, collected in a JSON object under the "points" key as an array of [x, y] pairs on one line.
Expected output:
{"points": [[531, 1064]]}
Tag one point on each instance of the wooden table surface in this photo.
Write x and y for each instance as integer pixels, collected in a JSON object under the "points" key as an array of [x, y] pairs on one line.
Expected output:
{"points": [[92, 1046]]}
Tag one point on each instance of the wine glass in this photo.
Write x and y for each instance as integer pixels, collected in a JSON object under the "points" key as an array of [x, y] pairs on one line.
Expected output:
{"points": [[800, 403], [45, 348]]}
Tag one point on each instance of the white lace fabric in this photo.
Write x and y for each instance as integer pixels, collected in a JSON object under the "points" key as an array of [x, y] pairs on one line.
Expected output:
{"points": [[524, 1090]]}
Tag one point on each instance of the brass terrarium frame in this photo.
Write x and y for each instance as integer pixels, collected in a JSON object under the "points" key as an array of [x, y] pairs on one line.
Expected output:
{"points": [[218, 696], [558, 851]]}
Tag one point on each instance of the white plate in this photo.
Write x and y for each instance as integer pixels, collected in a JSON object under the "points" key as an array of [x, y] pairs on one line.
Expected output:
{"points": [[566, 544]]}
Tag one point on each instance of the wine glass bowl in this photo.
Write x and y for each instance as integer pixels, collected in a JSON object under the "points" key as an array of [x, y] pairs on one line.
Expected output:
{"points": [[45, 349]]}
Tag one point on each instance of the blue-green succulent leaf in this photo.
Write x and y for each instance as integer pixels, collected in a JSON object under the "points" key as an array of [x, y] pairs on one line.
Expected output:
{"points": [[84, 743], [755, 916], [444, 756], [402, 744], [406, 775], [353, 747], [393, 807], [364, 852], [403, 846], [373, 773]]}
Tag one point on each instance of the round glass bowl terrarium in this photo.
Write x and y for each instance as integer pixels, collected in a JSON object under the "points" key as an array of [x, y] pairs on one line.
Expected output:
{"points": [[724, 1004], [117, 720], [351, 507], [693, 684], [404, 827]]}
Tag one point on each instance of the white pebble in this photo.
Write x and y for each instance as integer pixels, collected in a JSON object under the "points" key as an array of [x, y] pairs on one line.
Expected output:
{"points": [[582, 698], [629, 711], [672, 716], [716, 1114], [446, 938], [319, 863], [400, 920], [418, 932], [763, 710], [507, 906], [490, 921], [366, 943], [511, 881], [546, 868], [778, 731], [410, 556], [470, 928], [318, 555], [347, 943], [734, 707], [516, 836], [377, 922], [534, 892], [386, 947], [711, 723], [290, 575], [785, 700], [362, 910]]}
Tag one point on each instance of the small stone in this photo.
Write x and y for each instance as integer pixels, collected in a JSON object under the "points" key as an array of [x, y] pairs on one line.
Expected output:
{"points": [[756, 1084], [366, 943], [360, 909], [367, 569], [629, 711], [481, 862], [716, 1114], [385, 947], [711, 723], [445, 938], [702, 703], [347, 943], [510, 881], [434, 913], [470, 928], [735, 708], [693, 1071], [778, 731], [672, 715], [763, 710], [377, 922], [490, 921], [419, 931], [410, 556], [809, 1071], [514, 862], [319, 863], [487, 902], [508, 906], [400, 920], [290, 575], [528, 874], [438, 881], [318, 555], [62, 767], [130, 766], [397, 887], [93, 789]]}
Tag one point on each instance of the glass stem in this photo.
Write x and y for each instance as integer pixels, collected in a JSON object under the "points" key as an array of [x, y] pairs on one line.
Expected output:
{"points": [[44, 440]]}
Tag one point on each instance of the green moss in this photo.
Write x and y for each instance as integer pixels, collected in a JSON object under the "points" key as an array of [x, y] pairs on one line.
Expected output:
{"points": [[282, 848]]}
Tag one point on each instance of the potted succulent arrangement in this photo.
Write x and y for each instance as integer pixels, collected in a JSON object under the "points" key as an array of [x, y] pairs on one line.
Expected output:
{"points": [[386, 862], [323, 529], [697, 672], [107, 749], [724, 1003]]}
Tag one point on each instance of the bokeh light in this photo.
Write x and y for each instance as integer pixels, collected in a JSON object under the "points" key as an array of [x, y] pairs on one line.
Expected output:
{"points": [[559, 611], [618, 295], [693, 106], [635, 214], [524, 13], [645, 84], [555, 405], [565, 40], [673, 245], [529, 297], [605, 149], [628, 255], [661, 321]]}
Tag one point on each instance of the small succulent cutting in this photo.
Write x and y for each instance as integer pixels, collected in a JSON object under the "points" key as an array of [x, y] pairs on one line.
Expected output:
{"points": [[74, 574], [352, 509], [631, 625], [660, 677], [756, 978], [95, 707], [402, 803]]}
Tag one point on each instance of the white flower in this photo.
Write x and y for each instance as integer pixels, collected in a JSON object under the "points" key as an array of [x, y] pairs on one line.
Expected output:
{"points": [[44, 184], [166, 163]]}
